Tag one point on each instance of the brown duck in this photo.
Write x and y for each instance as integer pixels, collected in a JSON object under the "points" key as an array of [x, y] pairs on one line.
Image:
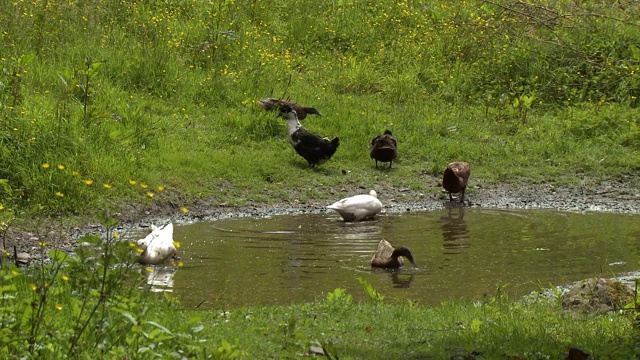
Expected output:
{"points": [[384, 148], [275, 104], [389, 258], [455, 178]]}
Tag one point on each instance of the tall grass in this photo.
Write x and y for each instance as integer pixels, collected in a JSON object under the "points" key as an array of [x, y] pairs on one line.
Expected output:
{"points": [[163, 93]]}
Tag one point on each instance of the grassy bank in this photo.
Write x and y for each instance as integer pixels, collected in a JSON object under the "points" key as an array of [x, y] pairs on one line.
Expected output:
{"points": [[106, 101]]}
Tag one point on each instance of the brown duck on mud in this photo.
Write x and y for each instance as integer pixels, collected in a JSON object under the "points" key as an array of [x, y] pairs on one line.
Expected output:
{"points": [[384, 148], [455, 178]]}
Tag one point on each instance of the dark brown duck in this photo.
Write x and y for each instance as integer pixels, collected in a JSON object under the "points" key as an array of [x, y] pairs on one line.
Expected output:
{"points": [[275, 104], [384, 148], [455, 178], [389, 258]]}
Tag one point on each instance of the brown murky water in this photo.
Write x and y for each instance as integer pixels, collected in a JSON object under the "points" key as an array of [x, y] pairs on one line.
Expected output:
{"points": [[461, 253]]}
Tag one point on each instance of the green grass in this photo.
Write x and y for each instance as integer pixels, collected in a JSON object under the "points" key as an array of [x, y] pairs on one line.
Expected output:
{"points": [[163, 93]]}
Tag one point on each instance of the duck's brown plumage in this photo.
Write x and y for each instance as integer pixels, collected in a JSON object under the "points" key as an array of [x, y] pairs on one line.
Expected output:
{"points": [[455, 178], [275, 104], [384, 148], [389, 258]]}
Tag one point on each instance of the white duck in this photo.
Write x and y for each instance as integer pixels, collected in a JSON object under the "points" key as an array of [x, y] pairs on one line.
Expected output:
{"points": [[358, 207], [158, 245]]}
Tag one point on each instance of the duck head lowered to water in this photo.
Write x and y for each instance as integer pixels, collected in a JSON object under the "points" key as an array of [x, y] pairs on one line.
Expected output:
{"points": [[389, 258], [455, 178], [275, 104], [313, 148], [358, 207], [384, 148], [158, 245]]}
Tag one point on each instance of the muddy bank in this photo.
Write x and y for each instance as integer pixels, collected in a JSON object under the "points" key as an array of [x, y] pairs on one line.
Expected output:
{"points": [[608, 196]]}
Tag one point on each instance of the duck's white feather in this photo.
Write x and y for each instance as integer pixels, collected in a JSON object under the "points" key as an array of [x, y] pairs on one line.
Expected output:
{"points": [[358, 207], [158, 245]]}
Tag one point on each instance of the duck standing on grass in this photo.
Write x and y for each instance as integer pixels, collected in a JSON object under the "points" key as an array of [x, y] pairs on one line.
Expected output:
{"points": [[358, 207], [157, 246], [389, 258], [313, 148], [384, 148], [455, 178], [275, 104]]}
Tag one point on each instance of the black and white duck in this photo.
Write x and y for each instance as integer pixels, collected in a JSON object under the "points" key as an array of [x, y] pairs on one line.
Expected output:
{"points": [[455, 178], [312, 147], [275, 104], [384, 148]]}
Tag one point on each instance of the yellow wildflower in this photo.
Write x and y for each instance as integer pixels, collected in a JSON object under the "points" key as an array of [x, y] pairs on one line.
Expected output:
{"points": [[160, 188], [33, 287], [150, 194], [132, 182], [144, 186], [106, 186], [88, 182], [184, 209], [65, 278], [45, 165], [60, 167], [59, 194], [58, 307]]}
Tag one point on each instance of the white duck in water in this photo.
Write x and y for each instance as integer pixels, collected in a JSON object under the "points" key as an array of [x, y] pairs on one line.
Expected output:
{"points": [[158, 245], [359, 207], [312, 147]]}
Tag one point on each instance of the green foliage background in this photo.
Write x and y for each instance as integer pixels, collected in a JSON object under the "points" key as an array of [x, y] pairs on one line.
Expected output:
{"points": [[112, 95]]}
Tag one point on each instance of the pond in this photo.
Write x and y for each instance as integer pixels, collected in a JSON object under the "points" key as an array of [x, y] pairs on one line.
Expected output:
{"points": [[461, 253]]}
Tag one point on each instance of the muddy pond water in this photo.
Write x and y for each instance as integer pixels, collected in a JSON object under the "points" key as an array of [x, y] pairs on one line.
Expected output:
{"points": [[461, 253]]}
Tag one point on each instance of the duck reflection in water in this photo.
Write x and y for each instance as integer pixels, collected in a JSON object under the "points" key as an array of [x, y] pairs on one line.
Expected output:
{"points": [[160, 278], [454, 231], [402, 280]]}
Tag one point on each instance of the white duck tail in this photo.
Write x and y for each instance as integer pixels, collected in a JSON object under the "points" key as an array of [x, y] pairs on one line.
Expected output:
{"points": [[358, 207]]}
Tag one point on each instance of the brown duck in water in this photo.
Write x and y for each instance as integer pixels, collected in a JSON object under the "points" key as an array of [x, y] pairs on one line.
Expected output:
{"points": [[389, 258], [455, 178], [275, 104], [384, 148]]}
